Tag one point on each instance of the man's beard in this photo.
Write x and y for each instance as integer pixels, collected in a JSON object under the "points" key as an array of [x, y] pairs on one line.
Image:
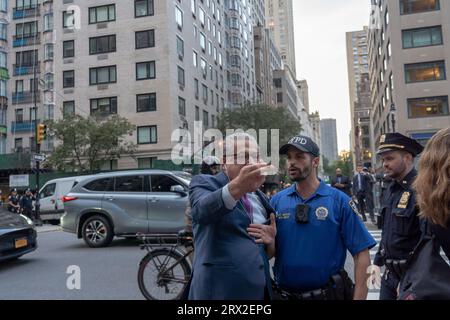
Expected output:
{"points": [[302, 174]]}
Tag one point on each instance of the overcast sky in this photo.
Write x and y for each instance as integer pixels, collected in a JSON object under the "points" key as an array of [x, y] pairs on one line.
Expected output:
{"points": [[320, 27]]}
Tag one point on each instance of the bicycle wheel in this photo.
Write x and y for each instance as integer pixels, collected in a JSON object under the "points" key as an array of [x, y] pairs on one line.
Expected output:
{"points": [[163, 275]]}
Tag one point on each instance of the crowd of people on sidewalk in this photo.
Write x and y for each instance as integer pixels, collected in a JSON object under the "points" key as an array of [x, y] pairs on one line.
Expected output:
{"points": [[24, 203]]}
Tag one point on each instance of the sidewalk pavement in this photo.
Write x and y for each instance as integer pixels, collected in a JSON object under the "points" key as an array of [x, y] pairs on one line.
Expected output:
{"points": [[47, 228]]}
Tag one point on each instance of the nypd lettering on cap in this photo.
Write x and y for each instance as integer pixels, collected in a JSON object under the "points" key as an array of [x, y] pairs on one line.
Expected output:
{"points": [[298, 140]]}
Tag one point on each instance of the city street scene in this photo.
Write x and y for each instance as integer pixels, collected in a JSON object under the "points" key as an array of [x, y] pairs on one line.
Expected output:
{"points": [[224, 150]]}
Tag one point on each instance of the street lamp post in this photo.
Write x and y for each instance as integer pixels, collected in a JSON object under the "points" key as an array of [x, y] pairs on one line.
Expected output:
{"points": [[392, 112]]}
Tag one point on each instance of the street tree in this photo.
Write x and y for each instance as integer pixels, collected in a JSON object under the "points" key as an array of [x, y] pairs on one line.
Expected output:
{"points": [[85, 143], [260, 116]]}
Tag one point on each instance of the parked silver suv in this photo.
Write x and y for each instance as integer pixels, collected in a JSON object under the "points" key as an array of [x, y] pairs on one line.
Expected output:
{"points": [[125, 203]]}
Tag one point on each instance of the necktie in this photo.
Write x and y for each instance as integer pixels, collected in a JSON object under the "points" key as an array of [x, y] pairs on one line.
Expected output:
{"points": [[248, 206], [359, 182]]}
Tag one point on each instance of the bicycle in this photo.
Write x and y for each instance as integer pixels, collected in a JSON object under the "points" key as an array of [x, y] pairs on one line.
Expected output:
{"points": [[165, 270]]}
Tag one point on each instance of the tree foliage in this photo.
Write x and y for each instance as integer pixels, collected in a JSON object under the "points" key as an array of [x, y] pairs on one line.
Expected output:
{"points": [[259, 116], [85, 143]]}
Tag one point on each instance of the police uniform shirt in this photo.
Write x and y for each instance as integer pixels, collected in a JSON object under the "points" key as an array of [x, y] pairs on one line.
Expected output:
{"points": [[307, 255], [401, 226]]}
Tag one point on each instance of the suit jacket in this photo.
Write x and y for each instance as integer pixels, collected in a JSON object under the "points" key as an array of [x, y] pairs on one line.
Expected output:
{"points": [[366, 184], [228, 264], [345, 181]]}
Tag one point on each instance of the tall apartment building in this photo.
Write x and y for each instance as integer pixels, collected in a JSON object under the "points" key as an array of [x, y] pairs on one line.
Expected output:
{"points": [[409, 58], [30, 59], [328, 135], [4, 74], [303, 93], [359, 90], [286, 92], [267, 59], [240, 19], [160, 64], [280, 21]]}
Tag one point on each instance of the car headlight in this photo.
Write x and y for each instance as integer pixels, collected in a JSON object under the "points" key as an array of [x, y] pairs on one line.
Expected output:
{"points": [[28, 220]]}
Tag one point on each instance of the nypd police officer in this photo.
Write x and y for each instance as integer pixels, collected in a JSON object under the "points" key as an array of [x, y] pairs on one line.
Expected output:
{"points": [[400, 223], [316, 225]]}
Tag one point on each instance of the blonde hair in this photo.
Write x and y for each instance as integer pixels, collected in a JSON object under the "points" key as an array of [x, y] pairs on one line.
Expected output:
{"points": [[433, 181]]}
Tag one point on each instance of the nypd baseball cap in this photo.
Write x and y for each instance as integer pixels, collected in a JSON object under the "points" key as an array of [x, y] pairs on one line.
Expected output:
{"points": [[302, 143]]}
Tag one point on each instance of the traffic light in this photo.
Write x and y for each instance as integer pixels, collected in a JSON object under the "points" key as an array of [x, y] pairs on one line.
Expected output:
{"points": [[41, 133]]}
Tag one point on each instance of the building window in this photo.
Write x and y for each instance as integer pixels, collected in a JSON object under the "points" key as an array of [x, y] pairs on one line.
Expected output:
{"points": [[197, 113], [102, 13], [18, 144], [103, 44], [428, 107], [25, 30], [416, 6], [3, 5], [27, 58], [428, 71], [279, 97], [422, 37], [145, 39], [180, 48], [68, 108], [181, 106], [145, 70], [68, 79], [3, 59], [69, 49], [193, 7], [195, 59], [102, 75], [147, 135], [203, 41], [196, 88], [48, 51], [205, 93], [179, 17], [205, 119], [104, 106], [48, 79], [68, 19], [146, 163], [19, 115], [277, 82], [143, 8], [48, 22], [204, 67], [181, 80], [146, 102]]}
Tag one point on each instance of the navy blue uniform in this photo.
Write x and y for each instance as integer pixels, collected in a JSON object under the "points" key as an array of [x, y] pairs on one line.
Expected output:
{"points": [[400, 233], [307, 255]]}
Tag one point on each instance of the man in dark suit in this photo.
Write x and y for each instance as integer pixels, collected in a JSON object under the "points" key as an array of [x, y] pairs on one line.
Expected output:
{"points": [[341, 182], [362, 185], [232, 235]]}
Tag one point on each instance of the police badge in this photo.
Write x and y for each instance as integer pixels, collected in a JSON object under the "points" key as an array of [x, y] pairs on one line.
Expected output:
{"points": [[322, 213], [403, 203]]}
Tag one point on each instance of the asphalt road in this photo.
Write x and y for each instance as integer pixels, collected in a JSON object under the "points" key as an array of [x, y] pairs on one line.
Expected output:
{"points": [[106, 273]]}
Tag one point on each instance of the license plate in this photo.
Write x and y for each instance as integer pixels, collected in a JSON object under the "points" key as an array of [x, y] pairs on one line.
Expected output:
{"points": [[20, 243]]}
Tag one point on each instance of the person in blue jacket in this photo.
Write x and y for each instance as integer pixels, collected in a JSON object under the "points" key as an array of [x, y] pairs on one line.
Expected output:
{"points": [[234, 230]]}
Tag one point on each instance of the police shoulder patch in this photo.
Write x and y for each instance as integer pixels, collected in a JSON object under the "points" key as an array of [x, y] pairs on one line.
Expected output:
{"points": [[353, 206]]}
